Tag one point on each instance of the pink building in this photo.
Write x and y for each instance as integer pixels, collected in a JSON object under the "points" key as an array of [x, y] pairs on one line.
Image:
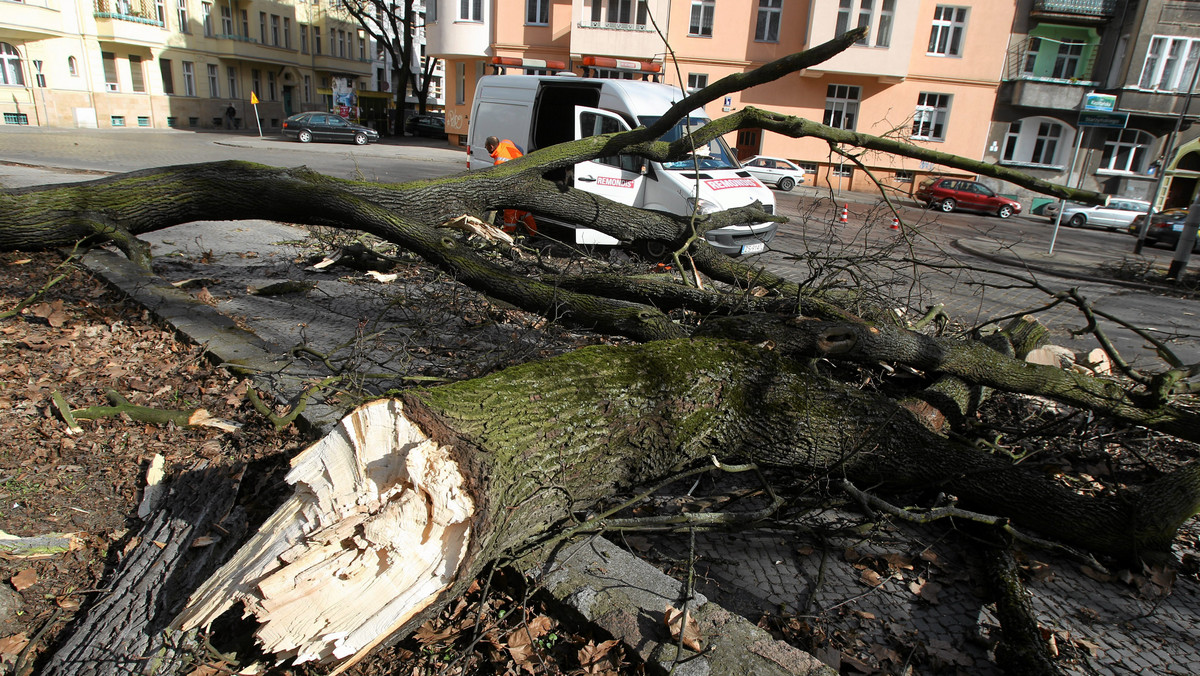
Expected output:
{"points": [[928, 71]]}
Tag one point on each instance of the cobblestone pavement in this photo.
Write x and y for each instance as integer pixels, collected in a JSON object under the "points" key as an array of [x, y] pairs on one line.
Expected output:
{"points": [[901, 593]]}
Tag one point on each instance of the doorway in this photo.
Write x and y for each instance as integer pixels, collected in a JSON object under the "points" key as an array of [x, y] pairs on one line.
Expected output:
{"points": [[287, 101]]}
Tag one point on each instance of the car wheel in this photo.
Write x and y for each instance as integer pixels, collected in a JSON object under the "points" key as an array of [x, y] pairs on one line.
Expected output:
{"points": [[946, 205], [1078, 221], [787, 183], [304, 136], [652, 251], [1005, 211], [360, 139]]}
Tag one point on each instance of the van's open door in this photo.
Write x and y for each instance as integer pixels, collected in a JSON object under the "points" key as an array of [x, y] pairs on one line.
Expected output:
{"points": [[619, 178]]}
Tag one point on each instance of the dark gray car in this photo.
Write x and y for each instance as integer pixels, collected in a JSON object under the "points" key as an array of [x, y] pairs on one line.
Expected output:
{"points": [[305, 127]]}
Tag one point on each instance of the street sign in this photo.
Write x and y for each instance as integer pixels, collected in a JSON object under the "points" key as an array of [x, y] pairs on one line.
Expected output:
{"points": [[1102, 119], [1100, 102]]}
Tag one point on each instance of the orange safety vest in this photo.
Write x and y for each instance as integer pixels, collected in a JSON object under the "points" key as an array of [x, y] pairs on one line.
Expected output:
{"points": [[505, 151]]}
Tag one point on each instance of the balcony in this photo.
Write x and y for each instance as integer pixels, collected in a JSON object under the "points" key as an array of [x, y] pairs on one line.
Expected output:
{"points": [[1074, 11], [128, 21], [31, 20]]}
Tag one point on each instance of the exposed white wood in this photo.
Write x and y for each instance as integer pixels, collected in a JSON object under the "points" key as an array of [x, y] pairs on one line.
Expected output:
{"points": [[377, 526]]}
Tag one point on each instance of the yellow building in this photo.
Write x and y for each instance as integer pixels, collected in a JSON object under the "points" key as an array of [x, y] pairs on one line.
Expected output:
{"points": [[178, 63], [927, 71]]}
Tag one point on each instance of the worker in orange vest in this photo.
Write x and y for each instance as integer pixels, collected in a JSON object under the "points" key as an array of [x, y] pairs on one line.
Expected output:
{"points": [[503, 151]]}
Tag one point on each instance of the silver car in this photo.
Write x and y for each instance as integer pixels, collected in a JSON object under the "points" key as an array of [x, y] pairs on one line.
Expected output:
{"points": [[774, 171], [1116, 215]]}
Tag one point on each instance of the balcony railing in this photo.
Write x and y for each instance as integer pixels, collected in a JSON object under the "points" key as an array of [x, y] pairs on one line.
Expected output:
{"points": [[605, 25], [1086, 8], [1044, 60], [137, 11]]}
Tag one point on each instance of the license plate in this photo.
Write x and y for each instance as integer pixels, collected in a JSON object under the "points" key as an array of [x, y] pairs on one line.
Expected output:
{"points": [[757, 247], [1178, 227]]}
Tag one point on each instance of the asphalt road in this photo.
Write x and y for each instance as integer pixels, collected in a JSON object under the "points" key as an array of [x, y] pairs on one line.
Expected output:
{"points": [[809, 249]]}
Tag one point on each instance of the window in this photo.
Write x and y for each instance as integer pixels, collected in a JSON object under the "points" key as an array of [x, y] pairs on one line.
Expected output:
{"points": [[110, 71], [1033, 141], [164, 68], [183, 17], [10, 65], [1170, 64], [1066, 64], [470, 10], [117, 120], [883, 34], [16, 118], [287, 32], [275, 30], [308, 88], [245, 24], [929, 120], [946, 35], [39, 77], [271, 92], [262, 28], [206, 18], [460, 81], [226, 20], [362, 46], [863, 14], [143, 121], [841, 106], [231, 78], [72, 66], [431, 15], [160, 12], [697, 81], [303, 38], [537, 12], [701, 23], [1126, 151], [255, 81], [316, 39], [189, 78], [770, 13], [341, 44], [137, 75], [214, 81]]}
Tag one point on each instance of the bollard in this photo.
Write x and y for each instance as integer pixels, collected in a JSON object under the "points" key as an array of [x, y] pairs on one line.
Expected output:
{"points": [[845, 214]]}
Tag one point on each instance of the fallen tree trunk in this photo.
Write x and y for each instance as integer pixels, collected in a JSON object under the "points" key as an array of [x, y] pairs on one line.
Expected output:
{"points": [[487, 469]]}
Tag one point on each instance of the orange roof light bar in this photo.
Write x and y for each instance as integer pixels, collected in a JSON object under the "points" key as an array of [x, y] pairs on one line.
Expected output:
{"points": [[622, 64], [528, 63]]}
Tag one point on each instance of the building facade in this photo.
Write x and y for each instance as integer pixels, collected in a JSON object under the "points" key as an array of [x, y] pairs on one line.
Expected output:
{"points": [[180, 63], [927, 71]]}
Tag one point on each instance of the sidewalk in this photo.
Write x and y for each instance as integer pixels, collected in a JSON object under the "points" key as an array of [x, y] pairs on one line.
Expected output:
{"points": [[1071, 262]]}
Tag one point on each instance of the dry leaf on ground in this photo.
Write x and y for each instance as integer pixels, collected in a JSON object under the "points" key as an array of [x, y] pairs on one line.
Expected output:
{"points": [[690, 631]]}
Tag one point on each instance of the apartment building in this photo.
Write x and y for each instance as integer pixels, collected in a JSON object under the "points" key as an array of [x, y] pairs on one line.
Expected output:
{"points": [[1092, 92], [927, 71], [180, 63]]}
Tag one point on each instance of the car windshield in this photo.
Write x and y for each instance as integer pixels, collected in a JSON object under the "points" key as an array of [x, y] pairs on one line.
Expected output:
{"points": [[715, 155]]}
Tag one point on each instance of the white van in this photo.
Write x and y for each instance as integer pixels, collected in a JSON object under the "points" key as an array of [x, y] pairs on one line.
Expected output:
{"points": [[536, 111]]}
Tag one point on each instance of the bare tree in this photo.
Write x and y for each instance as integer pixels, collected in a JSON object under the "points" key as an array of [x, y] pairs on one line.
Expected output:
{"points": [[394, 26]]}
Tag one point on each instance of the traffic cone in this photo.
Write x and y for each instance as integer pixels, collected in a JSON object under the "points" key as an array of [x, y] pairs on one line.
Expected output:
{"points": [[895, 222], [845, 217]]}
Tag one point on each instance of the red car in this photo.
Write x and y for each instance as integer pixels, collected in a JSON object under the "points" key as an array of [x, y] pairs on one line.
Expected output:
{"points": [[949, 194]]}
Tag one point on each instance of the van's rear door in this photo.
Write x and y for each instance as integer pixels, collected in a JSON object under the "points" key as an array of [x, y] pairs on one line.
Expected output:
{"points": [[619, 178]]}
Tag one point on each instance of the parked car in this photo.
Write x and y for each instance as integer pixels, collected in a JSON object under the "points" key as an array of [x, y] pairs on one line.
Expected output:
{"points": [[1116, 215], [426, 125], [774, 171], [949, 194], [1166, 227], [305, 127]]}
